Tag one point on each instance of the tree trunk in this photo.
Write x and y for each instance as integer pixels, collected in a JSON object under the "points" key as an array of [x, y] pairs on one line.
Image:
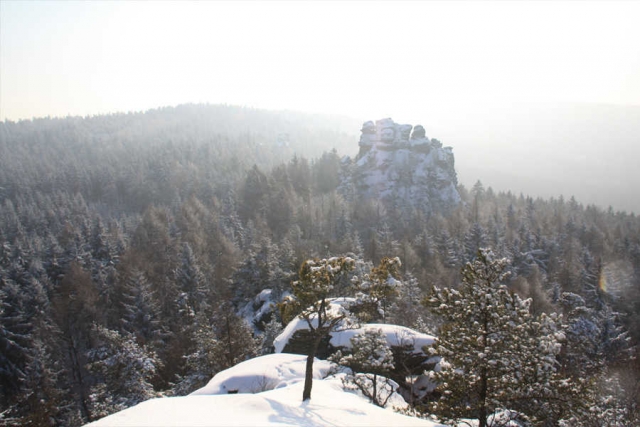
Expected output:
{"points": [[308, 373], [374, 395], [482, 415], [308, 376]]}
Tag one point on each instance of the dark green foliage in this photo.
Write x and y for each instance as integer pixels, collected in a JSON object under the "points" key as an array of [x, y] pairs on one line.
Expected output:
{"points": [[496, 355]]}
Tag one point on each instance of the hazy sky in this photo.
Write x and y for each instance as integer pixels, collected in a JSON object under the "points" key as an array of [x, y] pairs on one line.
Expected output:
{"points": [[364, 59], [502, 82]]}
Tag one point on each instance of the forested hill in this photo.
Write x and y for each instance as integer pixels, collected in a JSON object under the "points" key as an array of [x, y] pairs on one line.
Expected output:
{"points": [[131, 244], [129, 161]]}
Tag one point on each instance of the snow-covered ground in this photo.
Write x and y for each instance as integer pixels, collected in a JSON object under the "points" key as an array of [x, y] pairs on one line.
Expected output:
{"points": [[262, 374], [282, 376]]}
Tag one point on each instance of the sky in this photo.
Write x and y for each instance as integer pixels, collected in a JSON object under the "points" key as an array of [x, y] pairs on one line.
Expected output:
{"points": [[373, 59], [475, 74]]}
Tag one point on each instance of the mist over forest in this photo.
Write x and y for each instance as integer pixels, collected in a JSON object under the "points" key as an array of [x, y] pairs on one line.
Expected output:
{"points": [[137, 249], [545, 149]]}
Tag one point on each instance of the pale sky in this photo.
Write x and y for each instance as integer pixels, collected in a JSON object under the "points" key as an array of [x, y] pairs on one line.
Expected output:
{"points": [[535, 97], [363, 59]]}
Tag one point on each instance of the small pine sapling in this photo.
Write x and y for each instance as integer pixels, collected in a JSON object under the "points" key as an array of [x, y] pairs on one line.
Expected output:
{"points": [[369, 364], [310, 302]]}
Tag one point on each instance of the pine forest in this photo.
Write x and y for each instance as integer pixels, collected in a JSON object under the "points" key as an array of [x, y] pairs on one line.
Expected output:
{"points": [[142, 253]]}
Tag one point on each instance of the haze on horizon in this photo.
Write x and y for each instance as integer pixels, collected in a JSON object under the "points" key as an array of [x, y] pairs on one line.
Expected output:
{"points": [[535, 97]]}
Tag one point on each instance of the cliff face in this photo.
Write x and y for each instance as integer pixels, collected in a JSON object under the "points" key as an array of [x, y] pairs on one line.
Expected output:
{"points": [[399, 165]]}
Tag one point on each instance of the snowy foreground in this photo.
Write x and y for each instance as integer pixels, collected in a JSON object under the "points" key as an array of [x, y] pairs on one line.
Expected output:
{"points": [[282, 376]]}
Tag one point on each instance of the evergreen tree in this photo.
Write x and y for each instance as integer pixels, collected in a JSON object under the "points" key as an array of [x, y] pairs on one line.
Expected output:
{"points": [[126, 371], [495, 353], [377, 290], [235, 342], [311, 302], [191, 282], [326, 172], [254, 194], [203, 361], [594, 346], [475, 239], [370, 362], [44, 400], [271, 332], [406, 310], [74, 310], [141, 311], [14, 328]]}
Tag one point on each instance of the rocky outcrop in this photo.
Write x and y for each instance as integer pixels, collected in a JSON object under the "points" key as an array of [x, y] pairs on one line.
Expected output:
{"points": [[400, 165]]}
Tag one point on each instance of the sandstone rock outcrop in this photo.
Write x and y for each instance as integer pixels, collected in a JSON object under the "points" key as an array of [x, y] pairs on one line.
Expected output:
{"points": [[400, 165]]}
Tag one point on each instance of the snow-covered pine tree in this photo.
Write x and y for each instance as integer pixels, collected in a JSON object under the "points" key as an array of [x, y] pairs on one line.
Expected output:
{"points": [[370, 362], [235, 342], [377, 290], [406, 310], [495, 353], [310, 302], [42, 399], [191, 281], [141, 311], [594, 343], [202, 362], [474, 239], [271, 331], [214, 345], [125, 368]]}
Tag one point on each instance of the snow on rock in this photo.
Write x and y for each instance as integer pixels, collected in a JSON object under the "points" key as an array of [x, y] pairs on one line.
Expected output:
{"points": [[336, 307], [254, 311], [395, 335], [329, 405], [263, 373], [397, 165]]}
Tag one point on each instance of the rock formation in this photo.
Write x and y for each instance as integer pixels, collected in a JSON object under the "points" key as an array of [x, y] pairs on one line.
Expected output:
{"points": [[400, 165]]}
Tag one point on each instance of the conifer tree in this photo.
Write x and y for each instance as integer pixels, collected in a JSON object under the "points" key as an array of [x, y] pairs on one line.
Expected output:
{"points": [[370, 361], [406, 310], [125, 368], [141, 312], [235, 342], [377, 290], [191, 282], [495, 354], [310, 302], [202, 362]]}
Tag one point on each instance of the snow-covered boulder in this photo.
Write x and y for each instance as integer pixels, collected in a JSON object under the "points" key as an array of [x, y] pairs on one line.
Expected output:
{"points": [[397, 336], [263, 373], [336, 307], [404, 167]]}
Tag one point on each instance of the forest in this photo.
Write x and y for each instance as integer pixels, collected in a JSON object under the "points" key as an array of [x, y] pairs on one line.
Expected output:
{"points": [[133, 247]]}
